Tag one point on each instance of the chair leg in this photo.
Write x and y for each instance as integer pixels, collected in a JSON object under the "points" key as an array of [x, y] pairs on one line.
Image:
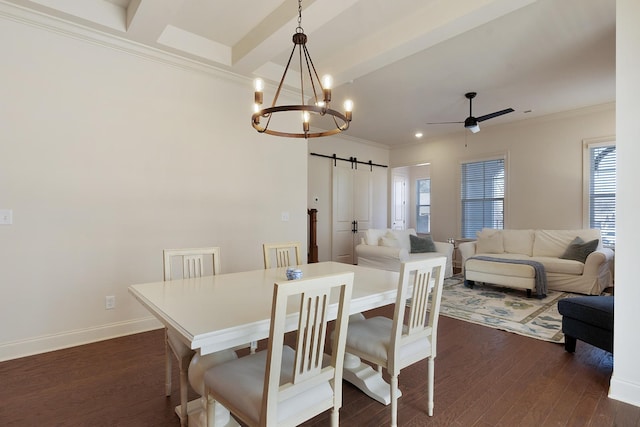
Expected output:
{"points": [[394, 401], [335, 417], [430, 371], [169, 356]]}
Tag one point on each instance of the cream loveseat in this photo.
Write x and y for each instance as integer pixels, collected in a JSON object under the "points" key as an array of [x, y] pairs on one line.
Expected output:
{"points": [[574, 260], [386, 249]]}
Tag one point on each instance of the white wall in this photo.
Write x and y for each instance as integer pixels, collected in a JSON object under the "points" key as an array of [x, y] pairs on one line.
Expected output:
{"points": [[321, 183], [625, 383], [544, 168], [107, 158]]}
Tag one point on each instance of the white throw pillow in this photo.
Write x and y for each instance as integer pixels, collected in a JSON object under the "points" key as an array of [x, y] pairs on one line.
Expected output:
{"points": [[487, 232], [373, 235], [518, 241], [390, 241], [403, 237], [489, 243]]}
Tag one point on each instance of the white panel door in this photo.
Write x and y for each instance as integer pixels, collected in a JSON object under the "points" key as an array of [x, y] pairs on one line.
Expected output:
{"points": [[352, 209], [362, 200], [399, 208]]}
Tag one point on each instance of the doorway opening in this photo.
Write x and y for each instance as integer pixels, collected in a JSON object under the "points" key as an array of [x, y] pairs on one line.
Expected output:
{"points": [[411, 198]]}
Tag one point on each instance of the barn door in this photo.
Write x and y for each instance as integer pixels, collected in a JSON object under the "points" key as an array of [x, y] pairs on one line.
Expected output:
{"points": [[352, 209]]}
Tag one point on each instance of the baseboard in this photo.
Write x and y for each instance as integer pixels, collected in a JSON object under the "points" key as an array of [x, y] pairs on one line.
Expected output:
{"points": [[46, 343], [624, 391]]}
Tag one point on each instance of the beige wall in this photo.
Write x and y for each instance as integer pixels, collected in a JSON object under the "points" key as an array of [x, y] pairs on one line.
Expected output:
{"points": [[544, 168], [107, 158]]}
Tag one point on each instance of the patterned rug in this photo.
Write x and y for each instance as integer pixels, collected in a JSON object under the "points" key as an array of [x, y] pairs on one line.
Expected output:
{"points": [[503, 308]]}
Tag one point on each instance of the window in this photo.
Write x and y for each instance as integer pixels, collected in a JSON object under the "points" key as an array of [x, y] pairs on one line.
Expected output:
{"points": [[482, 196], [423, 206], [602, 190]]}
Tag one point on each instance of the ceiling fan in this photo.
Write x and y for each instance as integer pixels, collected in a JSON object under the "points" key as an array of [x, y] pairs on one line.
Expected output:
{"points": [[471, 122]]}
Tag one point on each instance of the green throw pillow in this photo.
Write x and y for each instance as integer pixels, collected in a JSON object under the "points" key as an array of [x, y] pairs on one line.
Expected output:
{"points": [[578, 250], [421, 244]]}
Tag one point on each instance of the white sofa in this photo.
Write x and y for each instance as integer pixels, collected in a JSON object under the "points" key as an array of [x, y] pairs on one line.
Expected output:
{"points": [[548, 247], [386, 249]]}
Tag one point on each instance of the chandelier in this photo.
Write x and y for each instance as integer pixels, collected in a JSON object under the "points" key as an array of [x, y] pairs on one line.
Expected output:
{"points": [[318, 106]]}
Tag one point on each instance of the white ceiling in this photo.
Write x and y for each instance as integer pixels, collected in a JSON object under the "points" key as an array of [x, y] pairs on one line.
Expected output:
{"points": [[404, 63]]}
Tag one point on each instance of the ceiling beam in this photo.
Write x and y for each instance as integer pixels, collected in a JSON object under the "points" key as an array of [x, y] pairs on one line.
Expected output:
{"points": [[147, 19], [420, 30], [269, 37]]}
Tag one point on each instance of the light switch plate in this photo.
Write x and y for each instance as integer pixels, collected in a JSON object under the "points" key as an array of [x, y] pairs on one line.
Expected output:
{"points": [[6, 217]]}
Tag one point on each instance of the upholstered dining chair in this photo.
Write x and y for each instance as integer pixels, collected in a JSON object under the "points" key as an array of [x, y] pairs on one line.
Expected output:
{"points": [[193, 264], [396, 343], [280, 385], [282, 253]]}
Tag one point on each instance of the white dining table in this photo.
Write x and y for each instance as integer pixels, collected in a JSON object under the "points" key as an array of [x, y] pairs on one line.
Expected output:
{"points": [[215, 314]]}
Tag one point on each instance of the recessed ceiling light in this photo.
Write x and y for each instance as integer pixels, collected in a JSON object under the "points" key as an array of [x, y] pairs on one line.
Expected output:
{"points": [[418, 134]]}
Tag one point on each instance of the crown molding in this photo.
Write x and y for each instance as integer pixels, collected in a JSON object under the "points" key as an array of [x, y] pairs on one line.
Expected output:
{"points": [[42, 21]]}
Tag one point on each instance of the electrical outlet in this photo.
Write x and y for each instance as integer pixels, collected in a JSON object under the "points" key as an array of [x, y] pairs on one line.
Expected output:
{"points": [[285, 216], [6, 216], [110, 302]]}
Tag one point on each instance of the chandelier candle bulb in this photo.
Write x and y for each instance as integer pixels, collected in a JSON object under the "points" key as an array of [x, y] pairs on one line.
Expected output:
{"points": [[305, 121], [348, 108], [327, 82], [259, 87], [256, 116]]}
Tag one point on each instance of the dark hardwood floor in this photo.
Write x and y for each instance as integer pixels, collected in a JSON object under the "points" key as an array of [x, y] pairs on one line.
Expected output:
{"points": [[484, 377]]}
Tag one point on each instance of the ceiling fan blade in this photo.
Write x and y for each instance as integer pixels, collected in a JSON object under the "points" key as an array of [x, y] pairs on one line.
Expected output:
{"points": [[444, 123], [496, 114]]}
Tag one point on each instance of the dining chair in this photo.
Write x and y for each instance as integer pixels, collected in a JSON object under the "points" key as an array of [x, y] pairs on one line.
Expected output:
{"points": [[193, 264], [396, 343], [282, 253], [282, 385]]}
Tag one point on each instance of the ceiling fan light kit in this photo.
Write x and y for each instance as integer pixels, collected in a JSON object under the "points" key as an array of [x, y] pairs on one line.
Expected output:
{"points": [[471, 122], [319, 104]]}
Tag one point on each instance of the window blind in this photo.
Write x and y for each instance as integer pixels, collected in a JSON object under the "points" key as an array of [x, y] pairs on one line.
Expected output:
{"points": [[482, 196], [602, 192]]}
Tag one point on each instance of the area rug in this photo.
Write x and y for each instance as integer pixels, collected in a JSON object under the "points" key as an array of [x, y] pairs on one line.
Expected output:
{"points": [[503, 308]]}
